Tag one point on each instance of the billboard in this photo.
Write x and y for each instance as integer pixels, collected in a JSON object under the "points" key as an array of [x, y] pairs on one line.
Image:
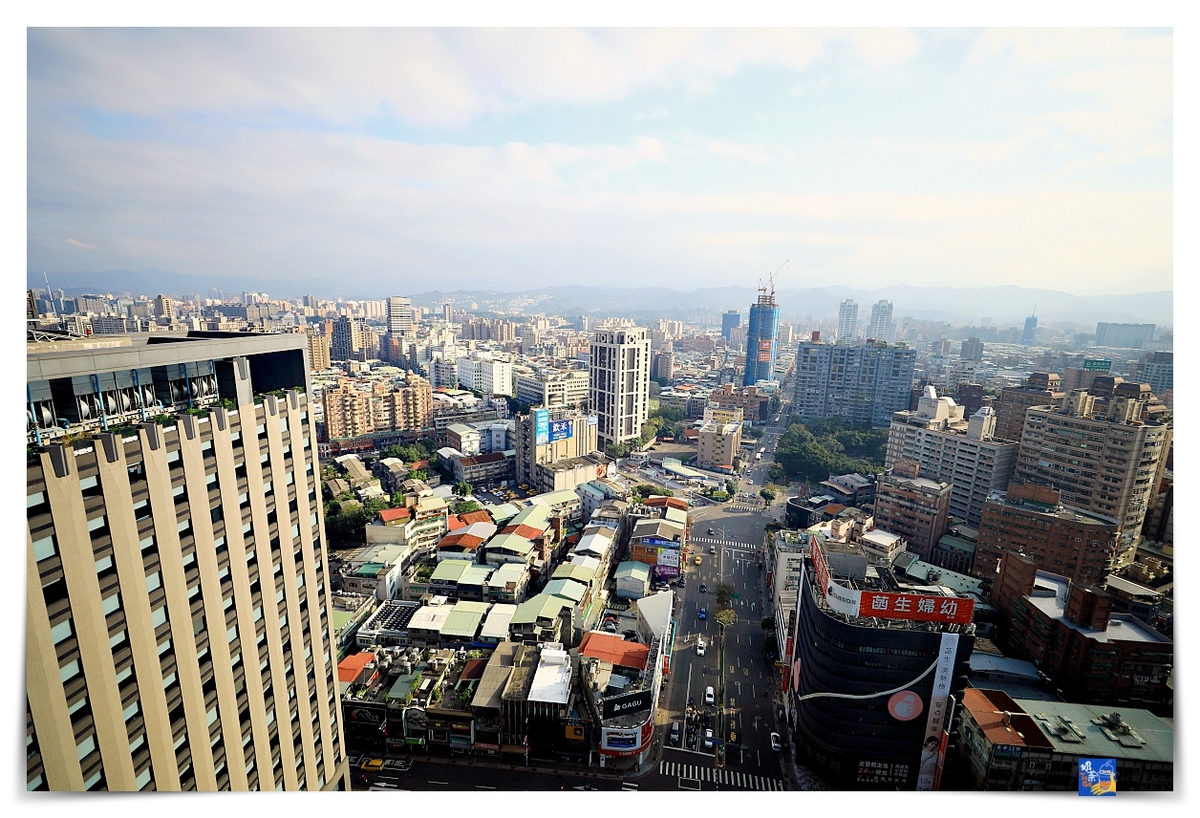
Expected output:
{"points": [[764, 350], [541, 427], [938, 701], [593, 420], [630, 703], [669, 557], [559, 430], [916, 607], [1097, 365]]}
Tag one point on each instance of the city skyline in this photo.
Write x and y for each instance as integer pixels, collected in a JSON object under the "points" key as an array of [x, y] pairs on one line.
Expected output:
{"points": [[869, 157]]}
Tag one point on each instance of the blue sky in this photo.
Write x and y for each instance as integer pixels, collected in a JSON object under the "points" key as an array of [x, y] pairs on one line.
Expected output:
{"points": [[446, 158]]}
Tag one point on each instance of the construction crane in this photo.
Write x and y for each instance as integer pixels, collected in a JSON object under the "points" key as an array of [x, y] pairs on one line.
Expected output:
{"points": [[770, 283]]}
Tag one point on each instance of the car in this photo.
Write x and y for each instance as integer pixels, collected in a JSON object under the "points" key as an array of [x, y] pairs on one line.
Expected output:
{"points": [[775, 745], [703, 587], [372, 764], [708, 739], [703, 613], [700, 647], [711, 532], [712, 549], [698, 560], [682, 581], [710, 697]]}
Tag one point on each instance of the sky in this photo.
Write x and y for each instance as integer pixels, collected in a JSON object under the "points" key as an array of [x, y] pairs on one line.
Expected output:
{"points": [[514, 158]]}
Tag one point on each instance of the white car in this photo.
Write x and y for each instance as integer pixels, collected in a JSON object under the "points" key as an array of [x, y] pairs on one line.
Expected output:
{"points": [[700, 646], [710, 697], [775, 742], [708, 739]]}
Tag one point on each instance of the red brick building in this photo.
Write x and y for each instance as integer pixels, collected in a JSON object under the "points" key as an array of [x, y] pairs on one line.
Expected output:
{"points": [[916, 508], [1030, 519], [1070, 633]]}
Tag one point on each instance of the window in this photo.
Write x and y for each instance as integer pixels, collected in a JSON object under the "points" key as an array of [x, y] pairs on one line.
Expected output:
{"points": [[61, 631], [111, 603], [153, 582], [158, 616], [44, 548], [84, 747]]}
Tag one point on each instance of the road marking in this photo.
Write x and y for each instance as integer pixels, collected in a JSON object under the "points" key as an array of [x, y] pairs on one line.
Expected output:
{"points": [[630, 786], [443, 783], [483, 787]]}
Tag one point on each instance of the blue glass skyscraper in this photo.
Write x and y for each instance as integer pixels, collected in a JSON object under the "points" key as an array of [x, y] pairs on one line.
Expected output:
{"points": [[762, 333]]}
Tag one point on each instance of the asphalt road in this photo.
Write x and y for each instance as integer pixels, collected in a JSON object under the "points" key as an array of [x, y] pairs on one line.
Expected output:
{"points": [[748, 706]]}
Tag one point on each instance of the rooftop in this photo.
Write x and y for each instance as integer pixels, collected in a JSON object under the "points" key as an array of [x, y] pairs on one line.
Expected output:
{"points": [[1002, 720], [542, 606], [392, 615], [552, 679], [496, 624], [1121, 627], [464, 619], [1103, 730], [634, 569], [567, 589], [609, 648], [510, 542], [430, 618]]}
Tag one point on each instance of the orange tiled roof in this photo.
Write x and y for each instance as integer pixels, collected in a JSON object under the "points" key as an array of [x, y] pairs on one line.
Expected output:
{"points": [[614, 649]]}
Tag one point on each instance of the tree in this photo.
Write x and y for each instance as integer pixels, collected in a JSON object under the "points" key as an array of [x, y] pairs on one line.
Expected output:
{"points": [[649, 489], [724, 592], [755, 433], [775, 472], [731, 486], [466, 506], [462, 488], [767, 494], [655, 388], [419, 474]]}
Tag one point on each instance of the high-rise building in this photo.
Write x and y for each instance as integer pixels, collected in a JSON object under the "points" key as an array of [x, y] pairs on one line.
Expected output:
{"points": [[448, 313], [164, 306], [318, 351], [619, 382], [951, 449], [730, 319], [1030, 330], [354, 409], [664, 366], [399, 316], [881, 327], [346, 341], [179, 631], [762, 342], [912, 506], [861, 383], [1156, 369], [1105, 455], [847, 327], [972, 350], [1123, 336], [574, 436], [1031, 520], [853, 606], [1039, 389]]}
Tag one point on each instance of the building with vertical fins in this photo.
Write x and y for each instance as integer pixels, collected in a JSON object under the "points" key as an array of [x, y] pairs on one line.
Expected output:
{"points": [[1027, 334], [179, 633], [730, 320], [847, 321], [762, 330], [619, 383]]}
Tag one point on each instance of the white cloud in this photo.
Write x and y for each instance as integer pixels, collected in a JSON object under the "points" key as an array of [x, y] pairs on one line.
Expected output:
{"points": [[751, 154]]}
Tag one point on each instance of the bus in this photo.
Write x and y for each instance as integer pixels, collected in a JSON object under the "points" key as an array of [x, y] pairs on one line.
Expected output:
{"points": [[758, 455]]}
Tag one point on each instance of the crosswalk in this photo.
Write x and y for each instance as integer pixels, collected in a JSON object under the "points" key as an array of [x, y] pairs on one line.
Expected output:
{"points": [[725, 543], [629, 786], [733, 778]]}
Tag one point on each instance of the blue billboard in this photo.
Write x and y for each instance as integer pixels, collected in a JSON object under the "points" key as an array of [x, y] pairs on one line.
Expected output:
{"points": [[541, 427], [560, 430]]}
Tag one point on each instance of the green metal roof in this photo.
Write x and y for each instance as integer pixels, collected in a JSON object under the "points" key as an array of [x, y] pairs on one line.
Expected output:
{"points": [[1080, 729], [632, 568], [566, 588], [464, 619], [370, 569], [579, 573], [510, 542], [542, 606], [450, 570]]}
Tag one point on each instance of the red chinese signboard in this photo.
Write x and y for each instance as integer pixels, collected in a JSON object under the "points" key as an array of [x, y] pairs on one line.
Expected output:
{"points": [[917, 607], [818, 561]]}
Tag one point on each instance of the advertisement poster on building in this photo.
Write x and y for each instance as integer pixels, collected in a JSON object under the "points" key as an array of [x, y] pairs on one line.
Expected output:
{"points": [[541, 427], [938, 707]]}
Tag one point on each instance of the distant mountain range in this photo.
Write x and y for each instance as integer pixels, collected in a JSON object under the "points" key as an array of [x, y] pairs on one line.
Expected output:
{"points": [[1003, 305]]}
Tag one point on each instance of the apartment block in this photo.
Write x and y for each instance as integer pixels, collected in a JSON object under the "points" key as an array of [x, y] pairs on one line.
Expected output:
{"points": [[862, 383], [951, 449], [619, 383], [1106, 456], [913, 507], [550, 387], [1040, 389], [1031, 520], [150, 539]]}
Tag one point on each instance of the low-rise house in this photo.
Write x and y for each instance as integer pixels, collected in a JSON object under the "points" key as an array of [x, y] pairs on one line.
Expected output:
{"points": [[542, 618], [507, 583], [632, 580]]}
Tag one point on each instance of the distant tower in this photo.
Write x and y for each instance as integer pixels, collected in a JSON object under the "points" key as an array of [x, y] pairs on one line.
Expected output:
{"points": [[847, 320], [730, 320], [1027, 334], [881, 327], [399, 316], [762, 331], [448, 313]]}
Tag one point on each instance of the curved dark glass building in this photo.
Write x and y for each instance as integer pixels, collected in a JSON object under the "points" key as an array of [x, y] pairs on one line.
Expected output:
{"points": [[762, 330], [858, 744]]}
